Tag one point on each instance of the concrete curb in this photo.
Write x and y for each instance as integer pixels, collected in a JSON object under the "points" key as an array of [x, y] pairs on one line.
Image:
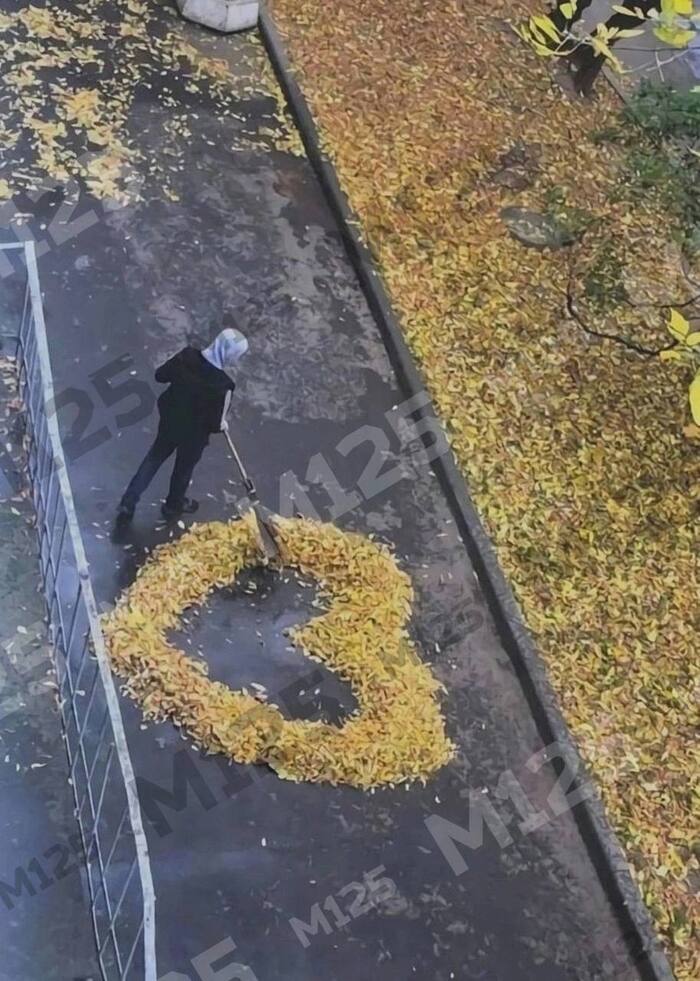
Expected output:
{"points": [[602, 845]]}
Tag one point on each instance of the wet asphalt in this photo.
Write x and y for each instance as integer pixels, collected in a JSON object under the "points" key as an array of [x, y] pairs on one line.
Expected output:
{"points": [[240, 856]]}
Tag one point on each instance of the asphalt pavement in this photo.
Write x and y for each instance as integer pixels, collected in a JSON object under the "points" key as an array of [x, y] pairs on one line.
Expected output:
{"points": [[491, 877]]}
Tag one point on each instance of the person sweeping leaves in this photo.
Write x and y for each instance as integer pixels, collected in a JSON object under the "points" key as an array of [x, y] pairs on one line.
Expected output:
{"points": [[192, 408]]}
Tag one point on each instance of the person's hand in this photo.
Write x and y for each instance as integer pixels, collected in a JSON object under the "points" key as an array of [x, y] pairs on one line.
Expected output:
{"points": [[224, 425]]}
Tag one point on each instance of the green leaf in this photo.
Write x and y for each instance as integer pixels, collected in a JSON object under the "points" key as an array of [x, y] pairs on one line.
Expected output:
{"points": [[676, 37], [546, 27], [678, 326], [694, 399]]}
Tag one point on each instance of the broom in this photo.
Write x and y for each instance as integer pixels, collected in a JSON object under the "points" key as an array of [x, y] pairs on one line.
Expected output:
{"points": [[265, 529]]}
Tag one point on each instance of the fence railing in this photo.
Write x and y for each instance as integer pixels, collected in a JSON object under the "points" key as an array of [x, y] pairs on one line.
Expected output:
{"points": [[119, 879]]}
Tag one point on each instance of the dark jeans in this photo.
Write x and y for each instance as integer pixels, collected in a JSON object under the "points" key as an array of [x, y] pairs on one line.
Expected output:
{"points": [[188, 454]]}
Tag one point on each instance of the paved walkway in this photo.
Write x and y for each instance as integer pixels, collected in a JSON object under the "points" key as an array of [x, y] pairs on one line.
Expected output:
{"points": [[646, 57], [239, 856], [45, 932]]}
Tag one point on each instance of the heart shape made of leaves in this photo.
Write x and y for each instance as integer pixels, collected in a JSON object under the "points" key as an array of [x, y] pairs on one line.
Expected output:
{"points": [[397, 733]]}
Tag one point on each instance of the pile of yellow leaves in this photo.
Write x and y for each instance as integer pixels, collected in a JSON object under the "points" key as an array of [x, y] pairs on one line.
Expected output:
{"points": [[572, 446], [398, 732]]}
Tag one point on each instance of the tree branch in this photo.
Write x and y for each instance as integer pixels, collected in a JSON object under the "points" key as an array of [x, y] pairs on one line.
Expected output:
{"points": [[631, 345], [575, 314]]}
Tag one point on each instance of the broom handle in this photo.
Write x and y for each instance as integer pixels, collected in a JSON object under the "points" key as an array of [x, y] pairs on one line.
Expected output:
{"points": [[249, 485]]}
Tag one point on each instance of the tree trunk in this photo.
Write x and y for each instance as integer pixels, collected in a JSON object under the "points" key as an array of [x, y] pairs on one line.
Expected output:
{"points": [[587, 63], [563, 23]]}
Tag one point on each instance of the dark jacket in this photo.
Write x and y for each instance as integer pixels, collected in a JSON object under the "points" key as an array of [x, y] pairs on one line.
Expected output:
{"points": [[191, 407]]}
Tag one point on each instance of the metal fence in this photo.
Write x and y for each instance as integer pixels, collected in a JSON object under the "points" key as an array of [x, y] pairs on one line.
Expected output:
{"points": [[118, 871]]}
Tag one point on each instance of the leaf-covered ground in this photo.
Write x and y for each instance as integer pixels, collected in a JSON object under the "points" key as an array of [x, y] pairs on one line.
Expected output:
{"points": [[437, 118], [71, 79]]}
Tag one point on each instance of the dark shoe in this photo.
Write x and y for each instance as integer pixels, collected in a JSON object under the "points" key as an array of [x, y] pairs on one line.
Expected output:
{"points": [[125, 512], [188, 506]]}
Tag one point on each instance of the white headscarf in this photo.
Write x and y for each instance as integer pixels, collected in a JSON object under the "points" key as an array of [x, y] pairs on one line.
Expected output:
{"points": [[226, 349]]}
